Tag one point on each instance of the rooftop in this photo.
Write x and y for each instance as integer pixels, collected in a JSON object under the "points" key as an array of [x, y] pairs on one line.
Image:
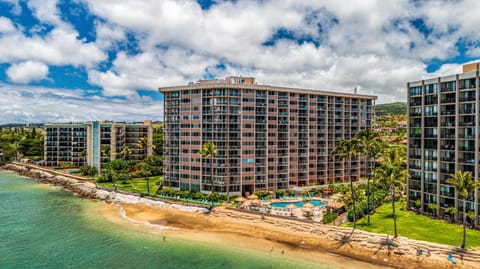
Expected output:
{"points": [[250, 83]]}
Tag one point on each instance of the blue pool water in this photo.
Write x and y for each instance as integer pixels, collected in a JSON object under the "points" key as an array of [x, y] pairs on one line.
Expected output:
{"points": [[298, 204]]}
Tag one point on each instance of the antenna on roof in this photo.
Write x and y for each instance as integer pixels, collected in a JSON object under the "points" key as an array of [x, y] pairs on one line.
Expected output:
{"points": [[355, 89]]}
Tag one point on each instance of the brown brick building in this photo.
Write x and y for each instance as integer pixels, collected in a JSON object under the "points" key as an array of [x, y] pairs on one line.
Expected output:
{"points": [[267, 137]]}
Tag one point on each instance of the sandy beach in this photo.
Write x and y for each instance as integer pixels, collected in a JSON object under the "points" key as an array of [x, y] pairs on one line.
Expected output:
{"points": [[243, 230], [209, 229]]}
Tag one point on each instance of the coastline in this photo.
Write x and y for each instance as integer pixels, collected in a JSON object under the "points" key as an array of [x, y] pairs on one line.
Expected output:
{"points": [[192, 221]]}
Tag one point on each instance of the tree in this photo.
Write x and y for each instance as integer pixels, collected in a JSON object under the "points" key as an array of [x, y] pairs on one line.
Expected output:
{"points": [[105, 153], [359, 196], [464, 185], [115, 170], [146, 172], [144, 145], [346, 150], [418, 204], [451, 211], [157, 141], [392, 174], [371, 147], [209, 150], [126, 152], [433, 207]]}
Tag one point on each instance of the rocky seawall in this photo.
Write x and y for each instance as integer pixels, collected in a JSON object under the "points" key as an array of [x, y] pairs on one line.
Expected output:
{"points": [[90, 190]]}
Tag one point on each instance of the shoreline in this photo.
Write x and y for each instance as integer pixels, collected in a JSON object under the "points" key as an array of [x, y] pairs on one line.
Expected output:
{"points": [[363, 246]]}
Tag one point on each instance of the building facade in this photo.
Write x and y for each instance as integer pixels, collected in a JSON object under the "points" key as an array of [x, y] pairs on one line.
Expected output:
{"points": [[266, 137], [96, 143], [442, 138]]}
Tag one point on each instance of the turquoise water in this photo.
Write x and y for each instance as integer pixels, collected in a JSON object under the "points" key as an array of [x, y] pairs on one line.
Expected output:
{"points": [[298, 204], [44, 227]]}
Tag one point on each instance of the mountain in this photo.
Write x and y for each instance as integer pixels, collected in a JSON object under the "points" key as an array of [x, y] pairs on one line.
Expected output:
{"points": [[397, 108]]}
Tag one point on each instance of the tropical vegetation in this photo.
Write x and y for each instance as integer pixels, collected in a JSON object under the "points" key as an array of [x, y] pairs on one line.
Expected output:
{"points": [[347, 150], [18, 142], [417, 227], [209, 150], [464, 186]]}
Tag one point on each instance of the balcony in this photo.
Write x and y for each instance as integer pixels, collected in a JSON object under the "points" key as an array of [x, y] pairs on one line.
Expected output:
{"points": [[415, 166], [467, 161], [447, 112], [448, 100], [467, 99], [448, 124], [416, 103], [447, 193], [467, 111]]}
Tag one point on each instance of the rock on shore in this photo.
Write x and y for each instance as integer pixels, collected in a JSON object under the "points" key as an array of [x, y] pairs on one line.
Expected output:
{"points": [[90, 190]]}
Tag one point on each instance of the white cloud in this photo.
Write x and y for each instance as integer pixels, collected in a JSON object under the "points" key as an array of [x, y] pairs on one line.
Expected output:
{"points": [[371, 44], [6, 25], [38, 104], [58, 47], [26, 72]]}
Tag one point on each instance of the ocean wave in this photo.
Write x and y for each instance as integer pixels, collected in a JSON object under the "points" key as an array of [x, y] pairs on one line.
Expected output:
{"points": [[123, 213]]}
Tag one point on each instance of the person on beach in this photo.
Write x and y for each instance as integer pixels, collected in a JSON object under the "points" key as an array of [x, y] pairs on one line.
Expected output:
{"points": [[283, 251], [164, 238], [272, 250], [419, 251], [428, 253]]}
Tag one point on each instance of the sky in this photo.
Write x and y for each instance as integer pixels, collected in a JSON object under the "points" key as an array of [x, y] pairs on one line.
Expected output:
{"points": [[78, 60]]}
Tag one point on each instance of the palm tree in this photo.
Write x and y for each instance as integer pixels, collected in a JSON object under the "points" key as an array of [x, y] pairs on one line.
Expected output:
{"points": [[143, 144], [391, 173], [433, 207], [451, 211], [105, 153], [464, 185], [209, 150], [346, 150], [146, 171], [371, 147], [126, 152], [84, 155]]}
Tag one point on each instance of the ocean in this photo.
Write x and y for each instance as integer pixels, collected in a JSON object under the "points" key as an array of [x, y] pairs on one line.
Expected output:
{"points": [[45, 227]]}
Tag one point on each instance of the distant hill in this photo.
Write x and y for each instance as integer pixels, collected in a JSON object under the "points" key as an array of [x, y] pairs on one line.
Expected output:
{"points": [[397, 108]]}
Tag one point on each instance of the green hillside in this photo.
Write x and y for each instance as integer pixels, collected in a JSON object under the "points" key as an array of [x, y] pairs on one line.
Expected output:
{"points": [[397, 108]]}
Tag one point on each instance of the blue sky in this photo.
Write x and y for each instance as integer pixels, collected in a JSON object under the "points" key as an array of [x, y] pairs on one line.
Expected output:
{"points": [[91, 59]]}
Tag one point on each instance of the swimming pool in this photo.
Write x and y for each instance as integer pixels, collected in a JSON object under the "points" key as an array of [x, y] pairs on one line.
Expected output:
{"points": [[298, 204]]}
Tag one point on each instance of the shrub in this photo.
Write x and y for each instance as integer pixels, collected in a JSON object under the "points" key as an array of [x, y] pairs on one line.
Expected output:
{"points": [[88, 171], [329, 217], [101, 179], [359, 214]]}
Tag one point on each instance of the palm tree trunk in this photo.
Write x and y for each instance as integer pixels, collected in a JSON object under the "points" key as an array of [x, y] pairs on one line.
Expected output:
{"points": [[393, 212], [353, 193], [148, 184], [464, 226], [211, 178], [368, 189]]}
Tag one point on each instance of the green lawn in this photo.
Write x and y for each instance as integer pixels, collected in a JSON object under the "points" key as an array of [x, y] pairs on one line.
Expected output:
{"points": [[136, 185], [417, 227]]}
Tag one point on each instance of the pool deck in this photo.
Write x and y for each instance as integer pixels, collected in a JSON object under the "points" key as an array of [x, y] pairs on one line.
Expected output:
{"points": [[316, 213]]}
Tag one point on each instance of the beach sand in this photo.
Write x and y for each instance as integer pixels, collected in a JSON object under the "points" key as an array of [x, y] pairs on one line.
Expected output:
{"points": [[246, 231]]}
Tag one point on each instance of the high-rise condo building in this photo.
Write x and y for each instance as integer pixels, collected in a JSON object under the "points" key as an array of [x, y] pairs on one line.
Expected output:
{"points": [[96, 143], [443, 138], [267, 137]]}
